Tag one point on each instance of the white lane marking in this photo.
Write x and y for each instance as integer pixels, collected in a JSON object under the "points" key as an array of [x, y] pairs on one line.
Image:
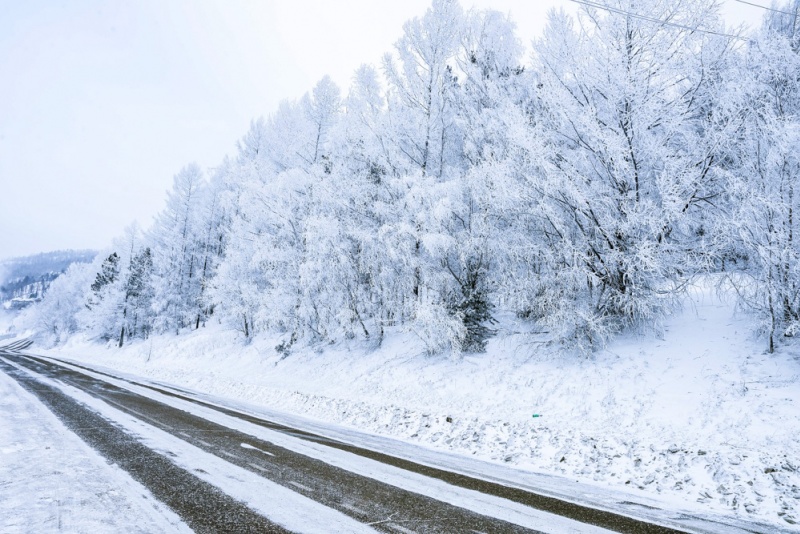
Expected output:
{"points": [[353, 509], [281, 505], [184, 434], [226, 453], [300, 486], [246, 446], [137, 414], [207, 444], [398, 528], [258, 467]]}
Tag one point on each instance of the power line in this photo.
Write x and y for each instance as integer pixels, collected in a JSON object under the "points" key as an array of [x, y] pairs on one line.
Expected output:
{"points": [[767, 8], [655, 20]]}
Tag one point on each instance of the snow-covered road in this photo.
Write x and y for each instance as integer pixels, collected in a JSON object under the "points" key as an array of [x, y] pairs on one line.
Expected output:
{"points": [[51, 481], [303, 481]]}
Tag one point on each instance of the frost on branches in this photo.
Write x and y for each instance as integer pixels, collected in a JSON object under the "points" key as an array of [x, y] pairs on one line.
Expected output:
{"points": [[579, 190]]}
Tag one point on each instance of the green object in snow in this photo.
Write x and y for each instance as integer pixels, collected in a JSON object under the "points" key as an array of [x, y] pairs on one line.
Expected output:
{"points": [[537, 415]]}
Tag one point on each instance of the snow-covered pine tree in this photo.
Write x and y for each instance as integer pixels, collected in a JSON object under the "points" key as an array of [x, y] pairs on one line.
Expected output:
{"points": [[138, 297]]}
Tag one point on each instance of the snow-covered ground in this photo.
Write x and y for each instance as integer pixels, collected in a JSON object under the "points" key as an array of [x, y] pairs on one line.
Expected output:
{"points": [[289, 509], [51, 481], [6, 323], [702, 415]]}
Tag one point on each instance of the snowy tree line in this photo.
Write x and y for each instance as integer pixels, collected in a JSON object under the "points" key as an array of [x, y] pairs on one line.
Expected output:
{"points": [[14, 271], [642, 144], [25, 279]]}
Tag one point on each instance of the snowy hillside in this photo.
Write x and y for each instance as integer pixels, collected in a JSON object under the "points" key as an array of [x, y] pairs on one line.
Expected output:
{"points": [[699, 417], [488, 251], [579, 188], [24, 280]]}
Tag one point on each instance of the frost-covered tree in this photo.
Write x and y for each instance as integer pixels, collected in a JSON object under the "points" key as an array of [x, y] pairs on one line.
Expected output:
{"points": [[257, 278], [138, 297], [57, 316], [764, 102], [626, 168], [488, 101], [177, 259], [104, 307], [361, 140], [321, 107], [421, 86], [296, 135], [109, 273], [493, 87], [579, 191]]}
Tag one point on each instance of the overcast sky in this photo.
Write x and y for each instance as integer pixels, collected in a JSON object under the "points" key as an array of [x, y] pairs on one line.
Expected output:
{"points": [[101, 102]]}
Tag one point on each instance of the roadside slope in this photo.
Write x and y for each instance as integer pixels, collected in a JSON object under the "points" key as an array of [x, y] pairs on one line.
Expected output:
{"points": [[700, 416]]}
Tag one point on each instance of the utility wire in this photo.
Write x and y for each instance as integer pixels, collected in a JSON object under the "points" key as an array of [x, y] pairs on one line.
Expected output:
{"points": [[767, 8], [655, 20]]}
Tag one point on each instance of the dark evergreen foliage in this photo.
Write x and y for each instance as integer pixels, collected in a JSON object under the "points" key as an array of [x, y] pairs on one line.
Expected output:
{"points": [[107, 275], [474, 306], [141, 270], [138, 297]]}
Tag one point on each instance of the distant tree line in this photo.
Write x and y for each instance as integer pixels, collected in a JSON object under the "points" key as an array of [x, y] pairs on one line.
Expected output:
{"points": [[28, 277]]}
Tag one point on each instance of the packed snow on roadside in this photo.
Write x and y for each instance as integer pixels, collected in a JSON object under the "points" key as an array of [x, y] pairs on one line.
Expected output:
{"points": [[51, 481], [6, 323], [700, 414]]}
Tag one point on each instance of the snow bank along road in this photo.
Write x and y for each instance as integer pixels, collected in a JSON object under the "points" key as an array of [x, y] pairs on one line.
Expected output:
{"points": [[222, 470]]}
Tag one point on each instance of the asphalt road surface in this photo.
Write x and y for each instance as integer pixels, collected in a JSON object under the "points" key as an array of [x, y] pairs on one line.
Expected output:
{"points": [[205, 508]]}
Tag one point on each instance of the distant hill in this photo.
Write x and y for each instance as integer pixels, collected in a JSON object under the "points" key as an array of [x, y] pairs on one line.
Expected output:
{"points": [[25, 280]]}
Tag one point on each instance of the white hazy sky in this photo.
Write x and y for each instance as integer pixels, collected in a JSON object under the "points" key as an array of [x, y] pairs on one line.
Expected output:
{"points": [[101, 102]]}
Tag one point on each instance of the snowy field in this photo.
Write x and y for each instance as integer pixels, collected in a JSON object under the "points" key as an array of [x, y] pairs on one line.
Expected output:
{"points": [[51, 481], [701, 416]]}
